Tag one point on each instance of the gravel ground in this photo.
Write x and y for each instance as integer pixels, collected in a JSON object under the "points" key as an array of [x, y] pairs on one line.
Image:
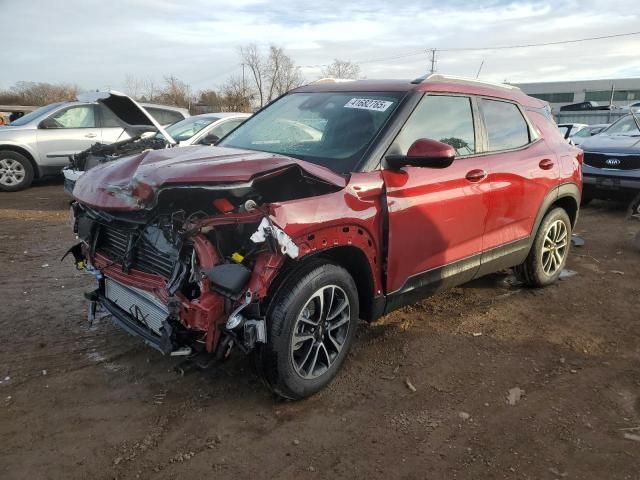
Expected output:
{"points": [[509, 382]]}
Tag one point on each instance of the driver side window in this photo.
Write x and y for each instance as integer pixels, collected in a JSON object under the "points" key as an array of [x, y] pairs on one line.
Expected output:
{"points": [[81, 116], [446, 119]]}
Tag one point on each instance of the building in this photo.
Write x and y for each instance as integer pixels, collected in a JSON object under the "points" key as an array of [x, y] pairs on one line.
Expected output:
{"points": [[625, 91]]}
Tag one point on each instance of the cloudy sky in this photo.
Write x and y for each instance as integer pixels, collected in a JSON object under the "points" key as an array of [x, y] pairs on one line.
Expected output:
{"points": [[96, 43]]}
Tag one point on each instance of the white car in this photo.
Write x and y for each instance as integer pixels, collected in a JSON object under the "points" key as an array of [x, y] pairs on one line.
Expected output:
{"points": [[204, 129], [40, 142]]}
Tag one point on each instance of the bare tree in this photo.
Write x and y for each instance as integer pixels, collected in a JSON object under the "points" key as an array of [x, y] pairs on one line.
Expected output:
{"points": [[234, 96], [175, 92], [149, 88], [282, 73], [273, 74], [39, 93], [342, 69], [133, 86], [251, 57]]}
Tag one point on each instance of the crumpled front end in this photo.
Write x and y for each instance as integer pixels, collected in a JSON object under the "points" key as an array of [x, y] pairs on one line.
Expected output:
{"points": [[190, 273]]}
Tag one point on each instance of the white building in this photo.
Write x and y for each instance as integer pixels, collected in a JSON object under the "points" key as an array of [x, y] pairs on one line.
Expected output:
{"points": [[625, 91]]}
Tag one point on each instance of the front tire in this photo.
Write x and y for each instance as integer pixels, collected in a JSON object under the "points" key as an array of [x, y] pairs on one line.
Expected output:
{"points": [[549, 252], [16, 171], [311, 326]]}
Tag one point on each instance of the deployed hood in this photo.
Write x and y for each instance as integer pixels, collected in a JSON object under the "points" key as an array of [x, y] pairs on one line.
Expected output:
{"points": [[133, 183], [128, 111], [603, 143]]}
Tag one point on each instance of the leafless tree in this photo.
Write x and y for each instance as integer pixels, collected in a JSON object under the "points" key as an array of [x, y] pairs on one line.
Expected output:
{"points": [[133, 86], [273, 74], [234, 96], [38, 93], [342, 69], [252, 58], [149, 89], [175, 92]]}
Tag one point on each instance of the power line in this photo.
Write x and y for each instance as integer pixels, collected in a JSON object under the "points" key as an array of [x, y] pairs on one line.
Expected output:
{"points": [[527, 45]]}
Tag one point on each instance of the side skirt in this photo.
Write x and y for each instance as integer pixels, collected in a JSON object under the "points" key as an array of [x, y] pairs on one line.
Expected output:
{"points": [[448, 276]]}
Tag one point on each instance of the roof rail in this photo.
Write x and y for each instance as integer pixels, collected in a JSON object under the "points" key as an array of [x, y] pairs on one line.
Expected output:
{"points": [[332, 80], [436, 77]]}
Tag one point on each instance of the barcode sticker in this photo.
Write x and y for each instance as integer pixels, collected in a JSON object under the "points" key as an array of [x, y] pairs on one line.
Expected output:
{"points": [[368, 104]]}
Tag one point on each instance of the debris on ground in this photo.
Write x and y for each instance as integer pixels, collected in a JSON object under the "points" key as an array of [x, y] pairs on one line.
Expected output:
{"points": [[632, 436], [514, 395], [617, 272], [464, 415], [577, 241], [410, 385], [477, 334], [566, 273]]}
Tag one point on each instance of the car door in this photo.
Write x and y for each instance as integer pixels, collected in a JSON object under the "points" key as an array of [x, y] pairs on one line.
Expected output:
{"points": [[65, 132], [522, 170], [436, 217]]}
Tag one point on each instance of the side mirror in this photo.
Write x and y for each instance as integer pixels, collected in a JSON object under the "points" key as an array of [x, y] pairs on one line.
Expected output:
{"points": [[424, 152], [210, 139]]}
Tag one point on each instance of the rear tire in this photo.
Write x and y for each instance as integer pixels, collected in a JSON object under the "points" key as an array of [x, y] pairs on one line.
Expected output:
{"points": [[549, 252], [16, 171], [310, 328]]}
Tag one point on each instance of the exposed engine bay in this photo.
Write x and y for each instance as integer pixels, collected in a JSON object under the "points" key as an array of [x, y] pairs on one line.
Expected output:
{"points": [[190, 273], [100, 152]]}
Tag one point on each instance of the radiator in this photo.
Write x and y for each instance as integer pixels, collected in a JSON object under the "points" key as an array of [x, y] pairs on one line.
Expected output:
{"points": [[141, 305]]}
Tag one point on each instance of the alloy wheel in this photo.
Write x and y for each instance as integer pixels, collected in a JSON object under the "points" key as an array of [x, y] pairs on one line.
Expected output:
{"points": [[554, 247], [12, 172], [320, 331]]}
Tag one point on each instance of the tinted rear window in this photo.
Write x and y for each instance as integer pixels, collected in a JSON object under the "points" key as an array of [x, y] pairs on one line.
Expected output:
{"points": [[506, 127]]}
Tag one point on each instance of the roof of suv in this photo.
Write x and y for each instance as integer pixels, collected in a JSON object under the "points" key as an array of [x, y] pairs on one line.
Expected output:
{"points": [[431, 83]]}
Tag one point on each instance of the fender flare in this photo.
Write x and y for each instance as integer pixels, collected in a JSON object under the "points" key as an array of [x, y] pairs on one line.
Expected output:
{"points": [[566, 190]]}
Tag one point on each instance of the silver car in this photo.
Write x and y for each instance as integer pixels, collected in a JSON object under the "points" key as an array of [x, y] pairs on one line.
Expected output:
{"points": [[41, 142]]}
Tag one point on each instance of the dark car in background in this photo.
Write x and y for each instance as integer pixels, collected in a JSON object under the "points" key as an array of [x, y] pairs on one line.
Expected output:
{"points": [[612, 161]]}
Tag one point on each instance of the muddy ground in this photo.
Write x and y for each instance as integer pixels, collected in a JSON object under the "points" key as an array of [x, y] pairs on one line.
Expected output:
{"points": [[81, 401]]}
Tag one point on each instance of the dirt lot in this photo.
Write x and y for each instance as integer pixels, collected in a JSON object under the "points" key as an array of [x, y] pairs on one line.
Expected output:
{"points": [[81, 401]]}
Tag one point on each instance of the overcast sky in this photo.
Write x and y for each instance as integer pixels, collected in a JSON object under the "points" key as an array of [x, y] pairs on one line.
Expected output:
{"points": [[96, 43]]}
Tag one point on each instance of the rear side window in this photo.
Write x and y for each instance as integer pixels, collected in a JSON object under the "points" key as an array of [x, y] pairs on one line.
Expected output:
{"points": [[443, 118], [164, 117], [506, 127]]}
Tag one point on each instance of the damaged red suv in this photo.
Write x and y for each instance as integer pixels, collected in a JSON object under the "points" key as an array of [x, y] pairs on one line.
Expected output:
{"points": [[339, 201]]}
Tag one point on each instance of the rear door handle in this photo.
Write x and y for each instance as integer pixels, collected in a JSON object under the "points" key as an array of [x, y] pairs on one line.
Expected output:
{"points": [[546, 164], [476, 175], [91, 135]]}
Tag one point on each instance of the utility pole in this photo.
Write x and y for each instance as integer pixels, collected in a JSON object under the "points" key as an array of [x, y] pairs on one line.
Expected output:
{"points": [[433, 60], [243, 88]]}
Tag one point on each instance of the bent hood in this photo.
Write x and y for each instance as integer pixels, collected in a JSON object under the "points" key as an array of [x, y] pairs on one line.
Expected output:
{"points": [[132, 183]]}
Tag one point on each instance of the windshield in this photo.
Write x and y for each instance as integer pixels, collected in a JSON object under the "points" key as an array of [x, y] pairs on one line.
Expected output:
{"points": [[332, 129], [187, 128], [35, 114], [625, 126]]}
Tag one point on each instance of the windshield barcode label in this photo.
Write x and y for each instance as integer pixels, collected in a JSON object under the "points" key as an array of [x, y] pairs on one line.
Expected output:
{"points": [[368, 104]]}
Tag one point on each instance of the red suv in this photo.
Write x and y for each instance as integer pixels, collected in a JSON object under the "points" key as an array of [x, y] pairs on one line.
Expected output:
{"points": [[337, 202]]}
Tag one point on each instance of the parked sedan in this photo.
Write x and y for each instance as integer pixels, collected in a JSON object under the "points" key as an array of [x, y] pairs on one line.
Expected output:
{"points": [[40, 143]]}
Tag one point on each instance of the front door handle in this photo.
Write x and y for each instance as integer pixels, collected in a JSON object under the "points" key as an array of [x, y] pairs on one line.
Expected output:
{"points": [[546, 164], [91, 135], [476, 175]]}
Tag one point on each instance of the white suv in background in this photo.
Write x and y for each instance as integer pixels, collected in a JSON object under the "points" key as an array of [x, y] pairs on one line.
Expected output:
{"points": [[41, 142]]}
